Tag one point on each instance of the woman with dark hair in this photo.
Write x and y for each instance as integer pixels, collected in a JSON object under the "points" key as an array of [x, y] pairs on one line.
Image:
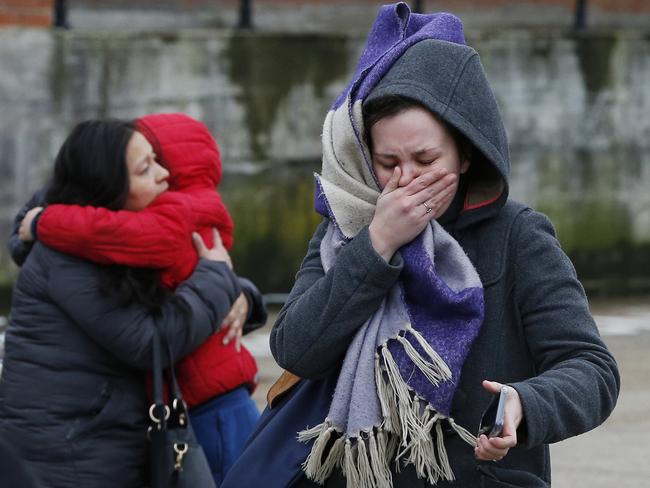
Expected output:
{"points": [[72, 398], [425, 292], [218, 378]]}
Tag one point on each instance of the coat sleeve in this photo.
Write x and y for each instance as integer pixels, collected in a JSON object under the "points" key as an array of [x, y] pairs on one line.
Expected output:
{"points": [[18, 249], [150, 238], [185, 321], [324, 310], [257, 313], [577, 381]]}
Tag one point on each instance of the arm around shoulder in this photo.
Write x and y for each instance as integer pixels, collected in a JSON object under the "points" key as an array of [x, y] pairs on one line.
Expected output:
{"points": [[19, 249], [257, 313], [198, 307]]}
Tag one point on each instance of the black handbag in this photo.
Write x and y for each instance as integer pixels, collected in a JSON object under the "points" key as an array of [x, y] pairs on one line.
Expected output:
{"points": [[176, 458]]}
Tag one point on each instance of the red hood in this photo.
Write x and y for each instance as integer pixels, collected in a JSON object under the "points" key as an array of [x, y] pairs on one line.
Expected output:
{"points": [[185, 147]]}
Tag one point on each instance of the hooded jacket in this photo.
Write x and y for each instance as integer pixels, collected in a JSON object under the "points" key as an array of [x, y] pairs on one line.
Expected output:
{"points": [[160, 237], [538, 335]]}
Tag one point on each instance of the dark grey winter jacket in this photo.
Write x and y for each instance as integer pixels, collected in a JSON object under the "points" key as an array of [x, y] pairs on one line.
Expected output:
{"points": [[538, 334], [72, 396]]}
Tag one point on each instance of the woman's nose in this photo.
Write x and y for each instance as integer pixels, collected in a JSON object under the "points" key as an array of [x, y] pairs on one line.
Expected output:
{"points": [[163, 174], [410, 171]]}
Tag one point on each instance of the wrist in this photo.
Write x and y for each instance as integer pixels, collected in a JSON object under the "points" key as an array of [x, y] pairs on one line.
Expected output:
{"points": [[380, 244], [34, 225]]}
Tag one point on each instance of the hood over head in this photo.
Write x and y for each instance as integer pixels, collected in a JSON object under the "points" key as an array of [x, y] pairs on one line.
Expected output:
{"points": [[449, 80], [185, 147]]}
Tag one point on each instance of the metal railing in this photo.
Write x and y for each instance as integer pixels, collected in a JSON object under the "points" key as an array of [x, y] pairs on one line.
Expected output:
{"points": [[580, 15], [61, 14], [245, 21]]}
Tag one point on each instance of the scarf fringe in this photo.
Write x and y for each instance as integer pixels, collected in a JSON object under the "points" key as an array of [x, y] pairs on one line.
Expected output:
{"points": [[378, 452], [435, 369], [463, 433], [350, 470], [309, 434], [399, 402], [411, 431]]}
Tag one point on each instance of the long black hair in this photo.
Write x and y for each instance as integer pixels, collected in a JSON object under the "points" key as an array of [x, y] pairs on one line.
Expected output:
{"points": [[91, 169]]}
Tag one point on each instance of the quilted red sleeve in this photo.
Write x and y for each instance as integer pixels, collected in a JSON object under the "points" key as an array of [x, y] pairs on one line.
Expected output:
{"points": [[208, 210], [151, 238]]}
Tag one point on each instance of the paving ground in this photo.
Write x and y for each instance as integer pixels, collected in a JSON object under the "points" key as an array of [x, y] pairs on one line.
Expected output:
{"points": [[617, 454]]}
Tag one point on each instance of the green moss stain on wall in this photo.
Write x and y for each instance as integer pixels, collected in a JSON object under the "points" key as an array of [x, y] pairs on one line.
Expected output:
{"points": [[267, 67], [579, 194], [59, 74], [595, 57], [274, 220]]}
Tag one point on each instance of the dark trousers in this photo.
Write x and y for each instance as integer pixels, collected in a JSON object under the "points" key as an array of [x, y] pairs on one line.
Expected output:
{"points": [[222, 427]]}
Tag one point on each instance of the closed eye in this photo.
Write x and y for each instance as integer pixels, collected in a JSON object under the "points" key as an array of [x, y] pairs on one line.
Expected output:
{"points": [[386, 163]]}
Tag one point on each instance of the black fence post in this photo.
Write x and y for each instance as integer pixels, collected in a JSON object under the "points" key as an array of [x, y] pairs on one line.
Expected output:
{"points": [[418, 6], [61, 14], [245, 14], [580, 19]]}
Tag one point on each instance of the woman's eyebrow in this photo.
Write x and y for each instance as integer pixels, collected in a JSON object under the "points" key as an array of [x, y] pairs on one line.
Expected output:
{"points": [[433, 149]]}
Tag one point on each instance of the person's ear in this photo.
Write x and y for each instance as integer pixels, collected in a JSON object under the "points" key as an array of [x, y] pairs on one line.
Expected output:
{"points": [[464, 166]]}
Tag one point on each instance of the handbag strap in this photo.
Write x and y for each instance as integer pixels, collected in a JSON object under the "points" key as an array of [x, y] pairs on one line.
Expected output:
{"points": [[158, 411], [174, 389], [175, 411]]}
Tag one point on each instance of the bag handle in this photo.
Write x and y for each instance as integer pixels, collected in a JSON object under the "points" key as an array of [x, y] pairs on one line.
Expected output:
{"points": [[178, 405], [159, 412], [175, 411]]}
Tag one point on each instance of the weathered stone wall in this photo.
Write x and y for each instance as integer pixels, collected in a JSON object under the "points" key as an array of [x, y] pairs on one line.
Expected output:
{"points": [[345, 15], [577, 109]]}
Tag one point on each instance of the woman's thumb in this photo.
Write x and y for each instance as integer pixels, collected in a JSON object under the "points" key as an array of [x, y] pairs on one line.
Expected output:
{"points": [[199, 245], [492, 386]]}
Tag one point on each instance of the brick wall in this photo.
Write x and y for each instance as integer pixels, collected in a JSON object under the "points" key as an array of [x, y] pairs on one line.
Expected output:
{"points": [[31, 13]]}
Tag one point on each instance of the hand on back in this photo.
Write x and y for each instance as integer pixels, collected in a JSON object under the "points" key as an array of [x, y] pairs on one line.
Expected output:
{"points": [[235, 320], [402, 212], [25, 229], [218, 251]]}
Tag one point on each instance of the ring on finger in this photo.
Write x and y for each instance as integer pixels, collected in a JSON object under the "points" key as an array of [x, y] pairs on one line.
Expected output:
{"points": [[429, 209]]}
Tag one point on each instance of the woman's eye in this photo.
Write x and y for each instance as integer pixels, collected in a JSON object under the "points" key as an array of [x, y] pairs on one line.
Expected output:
{"points": [[427, 162]]}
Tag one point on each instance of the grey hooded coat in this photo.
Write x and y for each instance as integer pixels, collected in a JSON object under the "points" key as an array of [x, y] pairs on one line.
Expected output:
{"points": [[538, 334]]}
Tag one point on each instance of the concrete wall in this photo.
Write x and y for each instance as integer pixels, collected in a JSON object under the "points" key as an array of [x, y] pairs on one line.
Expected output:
{"points": [[345, 15], [577, 109]]}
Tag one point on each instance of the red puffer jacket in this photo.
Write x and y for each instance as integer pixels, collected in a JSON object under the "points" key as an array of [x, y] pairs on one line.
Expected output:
{"points": [[160, 237]]}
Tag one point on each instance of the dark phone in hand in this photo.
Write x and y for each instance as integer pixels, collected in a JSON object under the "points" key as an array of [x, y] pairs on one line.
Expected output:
{"points": [[492, 420]]}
